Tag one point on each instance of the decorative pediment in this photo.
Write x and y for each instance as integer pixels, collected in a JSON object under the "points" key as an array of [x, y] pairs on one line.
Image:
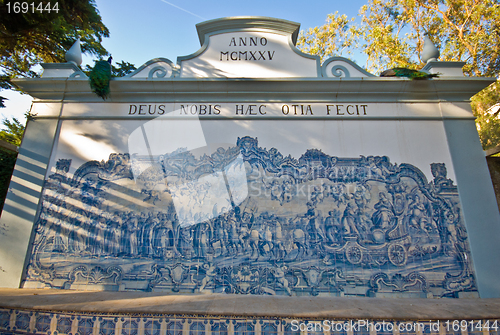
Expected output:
{"points": [[154, 69], [249, 47], [339, 67]]}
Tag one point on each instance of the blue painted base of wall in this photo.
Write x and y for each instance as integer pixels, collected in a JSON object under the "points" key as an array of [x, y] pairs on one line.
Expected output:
{"points": [[52, 323]]}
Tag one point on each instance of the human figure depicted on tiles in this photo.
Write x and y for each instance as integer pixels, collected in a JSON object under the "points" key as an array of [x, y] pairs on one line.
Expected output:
{"points": [[417, 218], [316, 195], [146, 234], [231, 227], [312, 220], [101, 232], [349, 220], [299, 241], [124, 242], [253, 241], [243, 237], [338, 193], [362, 197], [378, 166], [163, 238], [133, 232], [210, 273], [155, 225], [72, 246], [142, 220], [239, 242], [109, 248], [202, 235], [117, 234], [333, 227], [91, 240], [278, 247], [384, 214], [57, 238], [220, 235], [279, 275], [454, 233], [439, 173], [157, 232], [51, 210], [247, 219], [185, 242], [81, 231], [266, 242], [174, 219]]}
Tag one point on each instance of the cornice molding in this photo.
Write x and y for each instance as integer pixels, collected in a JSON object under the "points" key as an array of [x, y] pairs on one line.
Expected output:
{"points": [[372, 89]]}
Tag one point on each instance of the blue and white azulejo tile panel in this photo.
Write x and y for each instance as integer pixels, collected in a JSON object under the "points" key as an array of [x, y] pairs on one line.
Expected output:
{"points": [[249, 220]]}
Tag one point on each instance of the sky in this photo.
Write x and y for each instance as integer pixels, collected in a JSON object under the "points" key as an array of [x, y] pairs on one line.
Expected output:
{"points": [[147, 29]]}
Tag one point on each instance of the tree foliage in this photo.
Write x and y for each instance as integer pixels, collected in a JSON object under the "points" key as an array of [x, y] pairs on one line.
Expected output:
{"points": [[14, 131], [35, 37], [122, 69], [31, 38], [329, 39], [13, 134], [390, 33]]}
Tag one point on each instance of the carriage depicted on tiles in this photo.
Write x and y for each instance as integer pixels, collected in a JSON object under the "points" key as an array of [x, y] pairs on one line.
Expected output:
{"points": [[389, 239], [394, 252]]}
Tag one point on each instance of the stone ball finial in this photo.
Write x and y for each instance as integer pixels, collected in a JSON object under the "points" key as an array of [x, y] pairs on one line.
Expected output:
{"points": [[74, 54], [429, 51]]}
